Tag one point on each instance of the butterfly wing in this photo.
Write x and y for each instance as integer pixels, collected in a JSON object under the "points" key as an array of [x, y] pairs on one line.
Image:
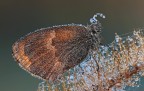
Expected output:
{"points": [[48, 52]]}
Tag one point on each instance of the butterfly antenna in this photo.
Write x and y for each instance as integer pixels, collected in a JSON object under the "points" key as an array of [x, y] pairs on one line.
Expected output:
{"points": [[94, 19]]}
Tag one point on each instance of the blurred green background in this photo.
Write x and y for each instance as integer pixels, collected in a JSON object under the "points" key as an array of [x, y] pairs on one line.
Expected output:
{"points": [[19, 17]]}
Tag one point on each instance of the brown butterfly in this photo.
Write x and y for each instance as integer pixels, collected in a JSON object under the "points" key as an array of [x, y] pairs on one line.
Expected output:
{"points": [[49, 52]]}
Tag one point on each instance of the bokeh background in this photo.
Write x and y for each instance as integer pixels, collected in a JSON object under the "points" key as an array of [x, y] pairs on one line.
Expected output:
{"points": [[19, 17]]}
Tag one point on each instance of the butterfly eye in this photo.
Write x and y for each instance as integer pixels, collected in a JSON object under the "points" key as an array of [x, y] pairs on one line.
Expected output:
{"points": [[93, 31]]}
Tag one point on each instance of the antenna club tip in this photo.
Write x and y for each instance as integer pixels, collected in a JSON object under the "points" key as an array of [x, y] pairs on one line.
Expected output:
{"points": [[94, 19]]}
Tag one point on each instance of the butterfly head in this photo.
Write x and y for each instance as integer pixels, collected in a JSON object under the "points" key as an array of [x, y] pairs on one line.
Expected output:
{"points": [[95, 24], [95, 28]]}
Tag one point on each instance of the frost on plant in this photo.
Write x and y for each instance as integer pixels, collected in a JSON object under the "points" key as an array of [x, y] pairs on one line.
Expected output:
{"points": [[110, 68]]}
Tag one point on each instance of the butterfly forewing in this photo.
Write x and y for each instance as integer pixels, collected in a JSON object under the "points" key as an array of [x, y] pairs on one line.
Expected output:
{"points": [[49, 52]]}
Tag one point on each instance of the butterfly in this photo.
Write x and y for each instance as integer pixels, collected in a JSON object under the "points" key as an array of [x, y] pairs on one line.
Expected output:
{"points": [[48, 52]]}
